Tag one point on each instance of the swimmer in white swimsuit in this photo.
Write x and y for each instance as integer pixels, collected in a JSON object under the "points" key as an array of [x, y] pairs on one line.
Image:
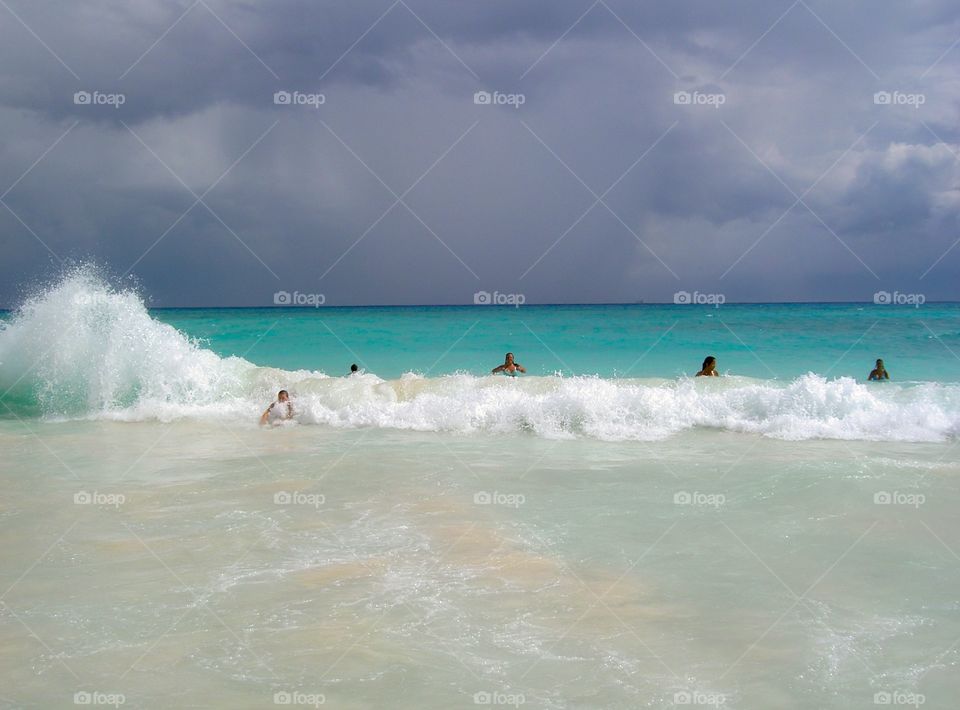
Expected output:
{"points": [[509, 367]]}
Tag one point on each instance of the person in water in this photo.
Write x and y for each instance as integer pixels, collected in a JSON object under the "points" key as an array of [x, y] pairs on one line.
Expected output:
{"points": [[509, 367], [879, 372], [281, 409], [709, 367], [354, 368]]}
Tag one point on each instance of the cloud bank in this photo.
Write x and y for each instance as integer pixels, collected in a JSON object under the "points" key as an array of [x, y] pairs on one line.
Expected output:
{"points": [[220, 151]]}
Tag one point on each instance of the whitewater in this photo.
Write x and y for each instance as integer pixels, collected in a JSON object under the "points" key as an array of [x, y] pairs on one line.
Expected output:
{"points": [[83, 350]]}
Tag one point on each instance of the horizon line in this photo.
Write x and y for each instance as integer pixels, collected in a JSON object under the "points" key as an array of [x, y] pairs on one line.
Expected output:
{"points": [[535, 305]]}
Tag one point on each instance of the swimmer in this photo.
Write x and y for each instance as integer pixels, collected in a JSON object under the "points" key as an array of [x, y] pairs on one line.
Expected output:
{"points": [[509, 367], [709, 368], [879, 373], [354, 369], [283, 411]]}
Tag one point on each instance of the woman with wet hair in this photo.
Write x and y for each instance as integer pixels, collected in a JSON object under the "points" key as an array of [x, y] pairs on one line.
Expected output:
{"points": [[709, 367]]}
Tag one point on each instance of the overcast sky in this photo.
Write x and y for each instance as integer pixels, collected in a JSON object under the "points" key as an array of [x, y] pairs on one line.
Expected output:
{"points": [[784, 177]]}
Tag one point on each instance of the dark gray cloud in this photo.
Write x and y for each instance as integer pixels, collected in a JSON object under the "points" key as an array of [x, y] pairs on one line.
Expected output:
{"points": [[799, 186]]}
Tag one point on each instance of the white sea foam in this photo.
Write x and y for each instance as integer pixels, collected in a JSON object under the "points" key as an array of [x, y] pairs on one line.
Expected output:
{"points": [[82, 350]]}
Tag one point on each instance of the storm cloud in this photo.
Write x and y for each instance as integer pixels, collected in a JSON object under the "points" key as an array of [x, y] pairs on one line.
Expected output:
{"points": [[221, 151]]}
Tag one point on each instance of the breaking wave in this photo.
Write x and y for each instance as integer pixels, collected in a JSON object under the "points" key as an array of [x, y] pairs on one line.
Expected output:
{"points": [[83, 350]]}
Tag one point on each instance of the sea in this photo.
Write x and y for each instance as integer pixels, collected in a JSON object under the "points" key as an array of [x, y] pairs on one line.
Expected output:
{"points": [[603, 531]]}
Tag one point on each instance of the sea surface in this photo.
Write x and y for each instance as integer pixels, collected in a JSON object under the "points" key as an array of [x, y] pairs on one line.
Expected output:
{"points": [[605, 531]]}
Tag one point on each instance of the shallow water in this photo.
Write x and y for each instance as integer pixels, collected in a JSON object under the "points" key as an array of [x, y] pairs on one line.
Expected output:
{"points": [[588, 580]]}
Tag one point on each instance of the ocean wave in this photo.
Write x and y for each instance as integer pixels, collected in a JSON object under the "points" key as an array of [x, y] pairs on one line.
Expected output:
{"points": [[81, 350]]}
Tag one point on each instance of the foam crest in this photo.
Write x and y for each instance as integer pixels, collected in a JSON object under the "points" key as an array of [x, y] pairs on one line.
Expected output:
{"points": [[810, 407], [80, 347]]}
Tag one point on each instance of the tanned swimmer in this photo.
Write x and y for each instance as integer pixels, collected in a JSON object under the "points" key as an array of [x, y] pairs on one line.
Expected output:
{"points": [[709, 367], [879, 372], [281, 409], [510, 367]]}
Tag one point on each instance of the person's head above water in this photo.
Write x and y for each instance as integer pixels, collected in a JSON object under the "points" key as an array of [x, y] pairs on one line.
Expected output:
{"points": [[879, 372], [709, 367], [281, 412], [509, 366], [354, 368]]}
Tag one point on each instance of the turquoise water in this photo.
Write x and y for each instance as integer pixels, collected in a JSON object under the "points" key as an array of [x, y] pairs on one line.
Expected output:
{"points": [[426, 535], [763, 341], [83, 350]]}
